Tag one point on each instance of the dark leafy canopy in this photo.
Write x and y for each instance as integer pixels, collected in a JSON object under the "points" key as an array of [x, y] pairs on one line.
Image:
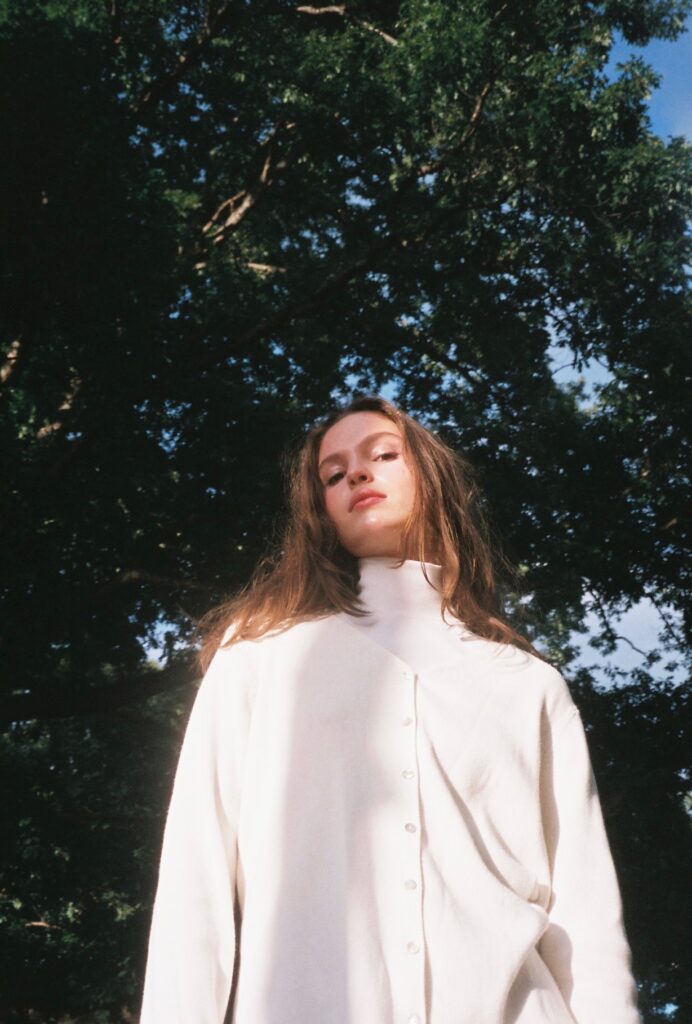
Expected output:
{"points": [[218, 217]]}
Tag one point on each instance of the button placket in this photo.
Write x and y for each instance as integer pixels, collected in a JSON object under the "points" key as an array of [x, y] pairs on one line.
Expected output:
{"points": [[412, 946]]}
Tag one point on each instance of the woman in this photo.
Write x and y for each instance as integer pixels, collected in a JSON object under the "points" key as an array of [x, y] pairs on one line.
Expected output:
{"points": [[384, 810]]}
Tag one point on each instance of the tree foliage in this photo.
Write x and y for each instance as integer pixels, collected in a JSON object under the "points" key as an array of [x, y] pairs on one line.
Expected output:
{"points": [[219, 217]]}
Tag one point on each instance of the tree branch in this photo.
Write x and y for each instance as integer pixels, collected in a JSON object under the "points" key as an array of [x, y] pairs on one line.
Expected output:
{"points": [[266, 268], [333, 283], [669, 627], [213, 26], [479, 384], [234, 209], [65, 406], [114, 12], [341, 11], [7, 367], [471, 126], [603, 613]]}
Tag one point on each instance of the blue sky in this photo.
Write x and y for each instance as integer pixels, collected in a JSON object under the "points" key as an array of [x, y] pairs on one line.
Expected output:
{"points": [[670, 105]]}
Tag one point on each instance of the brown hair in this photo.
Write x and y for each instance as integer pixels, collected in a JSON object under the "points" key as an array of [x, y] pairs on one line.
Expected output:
{"points": [[312, 575]]}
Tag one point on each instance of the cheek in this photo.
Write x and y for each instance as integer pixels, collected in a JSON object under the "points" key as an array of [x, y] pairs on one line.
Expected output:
{"points": [[331, 506], [406, 486]]}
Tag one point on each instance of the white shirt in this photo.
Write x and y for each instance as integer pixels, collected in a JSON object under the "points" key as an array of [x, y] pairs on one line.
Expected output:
{"points": [[385, 821]]}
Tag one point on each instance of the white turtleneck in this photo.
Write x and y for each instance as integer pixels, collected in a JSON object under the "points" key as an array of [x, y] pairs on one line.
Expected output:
{"points": [[405, 612]]}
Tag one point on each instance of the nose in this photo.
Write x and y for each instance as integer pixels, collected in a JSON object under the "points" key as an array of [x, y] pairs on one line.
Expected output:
{"points": [[358, 474]]}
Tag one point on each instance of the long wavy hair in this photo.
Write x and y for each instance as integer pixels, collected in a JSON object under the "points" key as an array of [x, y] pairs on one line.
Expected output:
{"points": [[311, 575]]}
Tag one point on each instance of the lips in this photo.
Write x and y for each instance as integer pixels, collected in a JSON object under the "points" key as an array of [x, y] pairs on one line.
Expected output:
{"points": [[364, 498]]}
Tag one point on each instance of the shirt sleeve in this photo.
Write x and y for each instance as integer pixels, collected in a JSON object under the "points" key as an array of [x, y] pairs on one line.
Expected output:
{"points": [[192, 940], [584, 946]]}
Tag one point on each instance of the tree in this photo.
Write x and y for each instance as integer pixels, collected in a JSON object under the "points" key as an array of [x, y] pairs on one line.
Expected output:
{"points": [[218, 218]]}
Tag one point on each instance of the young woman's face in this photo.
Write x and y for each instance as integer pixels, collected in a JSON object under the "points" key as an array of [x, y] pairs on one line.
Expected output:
{"points": [[361, 454]]}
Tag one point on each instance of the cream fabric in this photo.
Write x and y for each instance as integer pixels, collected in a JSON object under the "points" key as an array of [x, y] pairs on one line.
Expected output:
{"points": [[385, 821]]}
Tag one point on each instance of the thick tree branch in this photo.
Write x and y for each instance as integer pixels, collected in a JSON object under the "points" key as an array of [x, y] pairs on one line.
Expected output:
{"points": [[342, 11], [230, 213], [7, 367], [64, 407], [266, 268]]}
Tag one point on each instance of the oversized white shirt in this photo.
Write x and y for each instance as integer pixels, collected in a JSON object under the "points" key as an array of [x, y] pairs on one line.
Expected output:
{"points": [[385, 821]]}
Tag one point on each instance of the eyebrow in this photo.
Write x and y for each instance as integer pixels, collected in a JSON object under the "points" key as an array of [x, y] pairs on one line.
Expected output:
{"points": [[366, 440]]}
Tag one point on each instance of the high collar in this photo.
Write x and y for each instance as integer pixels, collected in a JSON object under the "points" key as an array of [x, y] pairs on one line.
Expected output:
{"points": [[389, 590]]}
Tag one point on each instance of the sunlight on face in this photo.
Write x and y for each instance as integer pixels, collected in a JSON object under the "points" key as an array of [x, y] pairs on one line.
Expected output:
{"points": [[363, 453]]}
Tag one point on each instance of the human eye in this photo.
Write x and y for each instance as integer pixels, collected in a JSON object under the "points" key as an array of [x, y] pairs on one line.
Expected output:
{"points": [[387, 455], [331, 480]]}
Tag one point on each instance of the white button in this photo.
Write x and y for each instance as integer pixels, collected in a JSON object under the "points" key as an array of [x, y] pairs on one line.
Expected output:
{"points": [[410, 883], [413, 1019], [407, 773], [410, 827], [413, 947], [407, 720]]}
